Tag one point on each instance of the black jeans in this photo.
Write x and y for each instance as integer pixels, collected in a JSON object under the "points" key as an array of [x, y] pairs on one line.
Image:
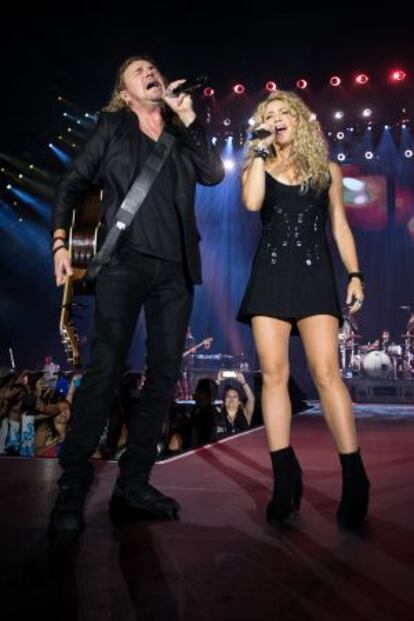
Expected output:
{"points": [[122, 288]]}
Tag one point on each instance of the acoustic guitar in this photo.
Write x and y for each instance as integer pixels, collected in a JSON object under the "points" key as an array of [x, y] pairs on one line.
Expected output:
{"points": [[83, 245]]}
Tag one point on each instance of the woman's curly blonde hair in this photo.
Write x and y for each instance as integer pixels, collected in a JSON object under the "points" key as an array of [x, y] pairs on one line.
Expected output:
{"points": [[309, 150]]}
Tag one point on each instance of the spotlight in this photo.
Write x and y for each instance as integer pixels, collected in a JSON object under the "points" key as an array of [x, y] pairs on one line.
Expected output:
{"points": [[251, 121], [340, 135], [339, 114], [301, 84], [227, 122], [228, 164], [366, 113], [238, 89], [397, 75], [8, 187], [50, 145], [31, 166], [20, 176], [386, 126], [214, 140], [335, 81], [369, 155], [341, 157], [361, 79], [208, 91], [403, 126], [65, 114], [369, 128], [271, 86], [69, 129], [408, 153]]}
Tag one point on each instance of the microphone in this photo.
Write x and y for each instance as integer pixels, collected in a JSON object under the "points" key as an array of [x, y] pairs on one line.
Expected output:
{"points": [[259, 134], [188, 86]]}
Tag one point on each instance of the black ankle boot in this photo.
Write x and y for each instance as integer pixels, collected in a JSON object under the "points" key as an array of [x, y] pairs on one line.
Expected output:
{"points": [[288, 487], [353, 507], [67, 514], [141, 501]]}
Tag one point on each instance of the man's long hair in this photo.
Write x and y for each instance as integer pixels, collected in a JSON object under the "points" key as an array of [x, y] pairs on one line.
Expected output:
{"points": [[117, 102], [310, 150]]}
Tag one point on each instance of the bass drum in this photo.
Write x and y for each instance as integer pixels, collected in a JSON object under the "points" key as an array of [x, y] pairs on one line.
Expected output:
{"points": [[377, 364]]}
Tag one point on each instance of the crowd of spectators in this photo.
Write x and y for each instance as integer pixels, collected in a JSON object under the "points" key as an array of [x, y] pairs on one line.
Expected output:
{"points": [[35, 410]]}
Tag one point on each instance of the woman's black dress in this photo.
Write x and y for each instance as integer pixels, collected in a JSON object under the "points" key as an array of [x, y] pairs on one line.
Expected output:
{"points": [[292, 275]]}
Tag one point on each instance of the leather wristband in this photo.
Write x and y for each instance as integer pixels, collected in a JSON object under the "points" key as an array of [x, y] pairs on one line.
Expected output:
{"points": [[261, 152], [54, 251], [355, 275]]}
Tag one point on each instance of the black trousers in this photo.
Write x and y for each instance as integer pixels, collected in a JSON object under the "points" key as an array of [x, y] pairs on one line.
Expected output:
{"points": [[129, 283]]}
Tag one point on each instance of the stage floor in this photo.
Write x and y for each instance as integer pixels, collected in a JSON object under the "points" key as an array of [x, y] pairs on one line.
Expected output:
{"points": [[222, 561]]}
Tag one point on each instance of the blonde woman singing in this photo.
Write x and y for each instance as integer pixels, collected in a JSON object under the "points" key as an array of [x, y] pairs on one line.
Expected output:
{"points": [[290, 180]]}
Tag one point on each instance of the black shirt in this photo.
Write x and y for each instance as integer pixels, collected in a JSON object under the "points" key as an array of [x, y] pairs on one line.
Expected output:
{"points": [[225, 427], [156, 229]]}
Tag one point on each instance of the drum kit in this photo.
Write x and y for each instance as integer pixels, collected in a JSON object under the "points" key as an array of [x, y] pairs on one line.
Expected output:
{"points": [[381, 359]]}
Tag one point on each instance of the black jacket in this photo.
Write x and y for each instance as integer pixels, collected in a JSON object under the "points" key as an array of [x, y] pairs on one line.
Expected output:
{"points": [[110, 159]]}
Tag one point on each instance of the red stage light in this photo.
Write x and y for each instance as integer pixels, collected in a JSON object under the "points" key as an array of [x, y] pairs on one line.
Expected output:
{"points": [[335, 80], [361, 79], [301, 83], [397, 75], [271, 86], [208, 91], [239, 89]]}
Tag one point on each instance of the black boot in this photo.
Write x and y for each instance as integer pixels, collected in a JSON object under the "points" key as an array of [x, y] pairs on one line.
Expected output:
{"points": [[67, 514], [288, 487], [139, 500], [353, 507]]}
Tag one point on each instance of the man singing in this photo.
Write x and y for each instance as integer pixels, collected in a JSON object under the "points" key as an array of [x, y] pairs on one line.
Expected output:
{"points": [[155, 266]]}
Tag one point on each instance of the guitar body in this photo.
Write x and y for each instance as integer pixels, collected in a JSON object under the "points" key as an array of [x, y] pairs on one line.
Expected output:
{"points": [[83, 245]]}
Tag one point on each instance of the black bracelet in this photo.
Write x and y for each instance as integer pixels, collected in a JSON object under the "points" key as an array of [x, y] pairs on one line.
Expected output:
{"points": [[261, 152], [355, 275], [54, 251]]}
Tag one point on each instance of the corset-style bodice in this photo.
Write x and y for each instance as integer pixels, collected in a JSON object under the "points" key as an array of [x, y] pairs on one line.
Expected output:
{"points": [[292, 274], [293, 226]]}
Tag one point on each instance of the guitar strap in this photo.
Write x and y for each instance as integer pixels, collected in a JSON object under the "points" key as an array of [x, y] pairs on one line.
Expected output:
{"points": [[132, 203]]}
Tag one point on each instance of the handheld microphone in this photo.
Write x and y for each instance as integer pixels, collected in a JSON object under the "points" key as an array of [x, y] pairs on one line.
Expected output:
{"points": [[259, 134], [188, 86]]}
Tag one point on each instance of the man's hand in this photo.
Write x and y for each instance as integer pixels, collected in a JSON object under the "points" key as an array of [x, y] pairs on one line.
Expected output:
{"points": [[182, 105], [63, 266]]}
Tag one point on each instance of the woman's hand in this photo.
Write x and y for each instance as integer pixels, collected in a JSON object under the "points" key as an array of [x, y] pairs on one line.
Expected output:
{"points": [[355, 295], [265, 143]]}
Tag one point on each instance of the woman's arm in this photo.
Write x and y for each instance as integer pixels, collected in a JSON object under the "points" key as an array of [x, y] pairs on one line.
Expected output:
{"points": [[248, 409], [253, 184], [343, 235], [254, 176]]}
